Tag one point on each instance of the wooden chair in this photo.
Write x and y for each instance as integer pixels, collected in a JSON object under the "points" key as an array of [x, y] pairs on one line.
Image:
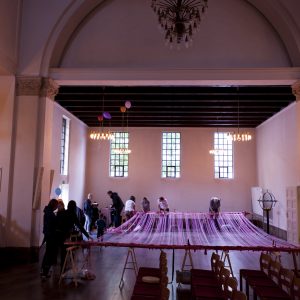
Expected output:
{"points": [[238, 295], [281, 290], [296, 288], [209, 280], [215, 292], [157, 290], [264, 262], [204, 273], [230, 285], [155, 272]]}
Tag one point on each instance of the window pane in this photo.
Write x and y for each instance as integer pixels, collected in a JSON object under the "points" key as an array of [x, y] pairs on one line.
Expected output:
{"points": [[170, 154], [223, 160], [119, 161]]}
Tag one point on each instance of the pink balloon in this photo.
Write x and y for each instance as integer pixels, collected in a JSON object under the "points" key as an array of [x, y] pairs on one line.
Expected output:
{"points": [[127, 104], [107, 115]]}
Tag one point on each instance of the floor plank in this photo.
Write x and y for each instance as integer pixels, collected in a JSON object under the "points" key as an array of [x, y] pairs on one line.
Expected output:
{"points": [[23, 282]]}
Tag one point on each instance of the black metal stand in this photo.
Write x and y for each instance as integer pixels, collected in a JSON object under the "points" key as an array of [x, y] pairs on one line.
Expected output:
{"points": [[268, 220]]}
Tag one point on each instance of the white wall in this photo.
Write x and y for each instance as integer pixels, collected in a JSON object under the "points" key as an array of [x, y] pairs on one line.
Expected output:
{"points": [[125, 34], [9, 29], [77, 155], [189, 193], [7, 85], [278, 157]]}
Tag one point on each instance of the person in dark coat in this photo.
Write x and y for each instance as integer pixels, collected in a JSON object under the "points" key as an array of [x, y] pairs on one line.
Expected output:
{"points": [[49, 230], [117, 205], [67, 221]]}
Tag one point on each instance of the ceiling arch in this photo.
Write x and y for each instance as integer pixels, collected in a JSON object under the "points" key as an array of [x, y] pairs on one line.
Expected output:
{"points": [[74, 15]]}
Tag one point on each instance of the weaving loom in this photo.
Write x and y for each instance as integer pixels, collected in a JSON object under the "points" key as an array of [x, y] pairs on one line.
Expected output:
{"points": [[223, 231]]}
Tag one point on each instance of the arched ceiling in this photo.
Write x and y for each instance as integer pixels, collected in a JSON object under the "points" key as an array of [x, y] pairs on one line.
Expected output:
{"points": [[121, 35]]}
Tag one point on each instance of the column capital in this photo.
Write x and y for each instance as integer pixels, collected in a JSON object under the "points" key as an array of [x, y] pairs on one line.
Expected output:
{"points": [[28, 85], [296, 89], [36, 86], [49, 88]]}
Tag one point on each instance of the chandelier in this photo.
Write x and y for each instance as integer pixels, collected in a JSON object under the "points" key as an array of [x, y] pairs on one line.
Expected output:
{"points": [[239, 136], [179, 18], [100, 134]]}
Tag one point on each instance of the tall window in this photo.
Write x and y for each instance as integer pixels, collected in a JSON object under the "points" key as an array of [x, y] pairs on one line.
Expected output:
{"points": [[64, 146], [223, 162], [119, 159], [170, 154]]}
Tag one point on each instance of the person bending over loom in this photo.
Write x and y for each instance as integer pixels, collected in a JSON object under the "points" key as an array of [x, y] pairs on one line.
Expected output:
{"points": [[163, 205], [145, 205], [214, 205]]}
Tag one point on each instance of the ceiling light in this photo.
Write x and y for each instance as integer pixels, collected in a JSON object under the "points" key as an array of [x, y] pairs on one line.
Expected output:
{"points": [[179, 18]]}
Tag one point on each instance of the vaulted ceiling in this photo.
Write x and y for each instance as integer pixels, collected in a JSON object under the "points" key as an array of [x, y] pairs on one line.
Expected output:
{"points": [[176, 106]]}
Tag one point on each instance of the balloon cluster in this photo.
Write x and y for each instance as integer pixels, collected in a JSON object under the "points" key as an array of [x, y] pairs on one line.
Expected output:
{"points": [[126, 106], [107, 115]]}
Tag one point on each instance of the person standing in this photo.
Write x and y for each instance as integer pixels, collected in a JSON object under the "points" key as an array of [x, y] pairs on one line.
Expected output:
{"points": [[130, 207], [117, 205], [163, 205], [145, 205], [67, 221], [88, 212], [49, 230]]}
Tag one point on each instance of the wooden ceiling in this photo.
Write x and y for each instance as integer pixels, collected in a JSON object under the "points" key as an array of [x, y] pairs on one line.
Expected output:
{"points": [[176, 106]]}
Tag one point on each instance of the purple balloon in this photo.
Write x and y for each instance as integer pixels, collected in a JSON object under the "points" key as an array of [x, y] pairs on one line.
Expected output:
{"points": [[107, 115], [128, 104]]}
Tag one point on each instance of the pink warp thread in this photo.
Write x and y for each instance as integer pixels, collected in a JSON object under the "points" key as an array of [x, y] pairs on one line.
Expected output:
{"points": [[225, 231]]}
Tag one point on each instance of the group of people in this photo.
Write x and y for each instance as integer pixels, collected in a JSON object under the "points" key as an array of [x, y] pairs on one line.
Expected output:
{"points": [[130, 207], [59, 225]]}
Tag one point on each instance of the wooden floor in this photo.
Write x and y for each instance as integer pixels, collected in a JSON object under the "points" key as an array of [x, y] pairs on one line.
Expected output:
{"points": [[24, 282]]}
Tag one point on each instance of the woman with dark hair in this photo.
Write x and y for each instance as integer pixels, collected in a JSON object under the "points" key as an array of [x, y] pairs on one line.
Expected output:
{"points": [[49, 231], [67, 221]]}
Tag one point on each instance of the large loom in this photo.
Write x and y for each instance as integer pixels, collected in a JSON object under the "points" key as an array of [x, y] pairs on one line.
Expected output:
{"points": [[225, 231]]}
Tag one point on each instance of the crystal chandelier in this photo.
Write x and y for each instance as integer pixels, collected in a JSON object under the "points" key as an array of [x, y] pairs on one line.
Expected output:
{"points": [[179, 18], [100, 134], [239, 136]]}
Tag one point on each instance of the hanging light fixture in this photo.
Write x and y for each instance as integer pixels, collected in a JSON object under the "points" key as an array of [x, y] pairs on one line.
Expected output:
{"points": [[179, 18], [101, 134], [239, 136], [123, 150]]}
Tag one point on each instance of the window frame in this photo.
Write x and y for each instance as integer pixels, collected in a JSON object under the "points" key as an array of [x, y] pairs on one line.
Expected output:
{"points": [[117, 160], [224, 159], [171, 149], [64, 146]]}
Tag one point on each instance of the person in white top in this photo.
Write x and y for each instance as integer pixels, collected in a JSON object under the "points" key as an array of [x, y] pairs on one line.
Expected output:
{"points": [[163, 205], [130, 207]]}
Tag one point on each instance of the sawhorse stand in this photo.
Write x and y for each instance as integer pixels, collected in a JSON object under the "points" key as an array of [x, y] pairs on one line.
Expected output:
{"points": [[184, 263], [224, 257], [70, 256], [130, 264]]}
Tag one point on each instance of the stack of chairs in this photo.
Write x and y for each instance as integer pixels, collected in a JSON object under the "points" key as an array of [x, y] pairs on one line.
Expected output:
{"points": [[151, 283], [271, 282], [213, 284]]}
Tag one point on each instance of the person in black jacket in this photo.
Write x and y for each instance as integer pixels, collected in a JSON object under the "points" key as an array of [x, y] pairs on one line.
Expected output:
{"points": [[49, 230], [67, 221], [117, 205]]}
